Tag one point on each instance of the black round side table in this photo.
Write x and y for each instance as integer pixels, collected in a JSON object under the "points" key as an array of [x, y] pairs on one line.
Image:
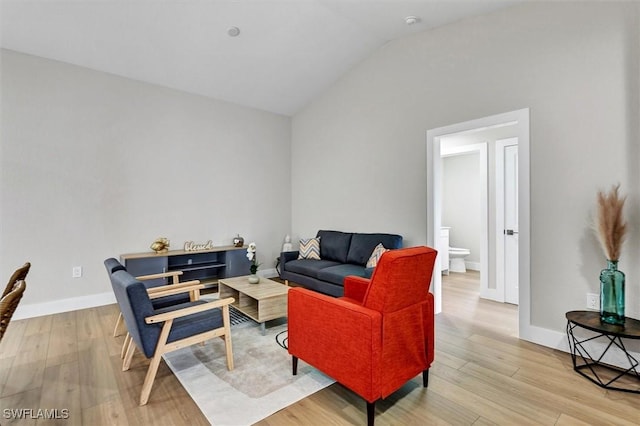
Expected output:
{"points": [[591, 366]]}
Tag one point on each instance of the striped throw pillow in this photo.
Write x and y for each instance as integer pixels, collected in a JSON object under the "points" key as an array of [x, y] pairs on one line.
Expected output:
{"points": [[376, 255], [309, 249]]}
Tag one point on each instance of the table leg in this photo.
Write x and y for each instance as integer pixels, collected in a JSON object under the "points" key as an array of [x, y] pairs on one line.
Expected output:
{"points": [[590, 363]]}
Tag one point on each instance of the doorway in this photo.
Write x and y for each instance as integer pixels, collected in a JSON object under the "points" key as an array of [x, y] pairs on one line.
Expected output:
{"points": [[468, 227], [520, 119]]}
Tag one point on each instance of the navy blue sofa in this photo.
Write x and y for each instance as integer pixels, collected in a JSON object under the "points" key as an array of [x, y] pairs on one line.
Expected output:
{"points": [[341, 254]]}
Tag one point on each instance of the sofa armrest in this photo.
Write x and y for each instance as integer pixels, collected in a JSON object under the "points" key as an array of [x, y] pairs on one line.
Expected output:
{"points": [[355, 287], [287, 256]]}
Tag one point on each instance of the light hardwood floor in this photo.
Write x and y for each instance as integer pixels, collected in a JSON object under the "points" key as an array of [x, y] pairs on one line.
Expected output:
{"points": [[482, 375]]}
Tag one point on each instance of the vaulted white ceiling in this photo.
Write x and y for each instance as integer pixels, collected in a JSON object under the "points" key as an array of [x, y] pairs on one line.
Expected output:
{"points": [[287, 52]]}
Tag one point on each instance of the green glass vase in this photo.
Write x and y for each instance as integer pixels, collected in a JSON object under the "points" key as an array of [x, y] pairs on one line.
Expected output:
{"points": [[612, 294]]}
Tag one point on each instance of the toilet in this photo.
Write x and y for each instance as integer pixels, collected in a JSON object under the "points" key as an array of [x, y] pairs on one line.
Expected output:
{"points": [[456, 259]]}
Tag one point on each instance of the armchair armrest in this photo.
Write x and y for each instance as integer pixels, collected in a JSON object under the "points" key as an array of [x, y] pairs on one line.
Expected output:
{"points": [[181, 285], [171, 289], [340, 338], [173, 274], [355, 287], [188, 311]]}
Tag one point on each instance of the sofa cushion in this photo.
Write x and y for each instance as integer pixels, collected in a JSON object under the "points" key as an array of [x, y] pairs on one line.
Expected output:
{"points": [[336, 274], [309, 249], [368, 272], [309, 267], [334, 245], [376, 255], [362, 245]]}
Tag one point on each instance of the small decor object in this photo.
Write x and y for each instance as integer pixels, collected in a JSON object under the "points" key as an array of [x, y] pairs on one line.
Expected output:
{"points": [[253, 258], [287, 246], [238, 241], [191, 246], [611, 229], [160, 245]]}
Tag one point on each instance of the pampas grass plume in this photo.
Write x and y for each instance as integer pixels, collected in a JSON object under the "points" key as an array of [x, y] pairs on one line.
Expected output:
{"points": [[611, 227]]}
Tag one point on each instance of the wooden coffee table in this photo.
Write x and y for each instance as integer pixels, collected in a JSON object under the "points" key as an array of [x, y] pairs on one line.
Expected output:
{"points": [[261, 302]]}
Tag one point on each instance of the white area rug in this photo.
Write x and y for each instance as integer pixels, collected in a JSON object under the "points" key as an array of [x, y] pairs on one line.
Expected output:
{"points": [[260, 384]]}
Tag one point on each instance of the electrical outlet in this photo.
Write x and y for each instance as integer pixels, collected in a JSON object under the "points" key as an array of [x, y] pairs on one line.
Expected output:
{"points": [[76, 272], [593, 301]]}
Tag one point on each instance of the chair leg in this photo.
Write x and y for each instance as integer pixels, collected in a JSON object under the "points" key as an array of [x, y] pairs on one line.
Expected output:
{"points": [[155, 362], [371, 413], [116, 331], [125, 345], [126, 362], [227, 336], [294, 365], [150, 378], [425, 378]]}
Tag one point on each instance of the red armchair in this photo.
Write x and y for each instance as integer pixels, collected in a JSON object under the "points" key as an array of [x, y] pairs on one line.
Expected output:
{"points": [[378, 336]]}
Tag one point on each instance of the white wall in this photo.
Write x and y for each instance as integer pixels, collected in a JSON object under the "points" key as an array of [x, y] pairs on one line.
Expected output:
{"points": [[95, 165], [461, 202], [359, 160]]}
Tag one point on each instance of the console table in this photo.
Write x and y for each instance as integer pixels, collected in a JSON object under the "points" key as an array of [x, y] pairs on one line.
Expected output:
{"points": [[590, 365], [205, 265]]}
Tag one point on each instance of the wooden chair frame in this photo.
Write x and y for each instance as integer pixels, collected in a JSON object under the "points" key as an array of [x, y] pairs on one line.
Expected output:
{"points": [[9, 303], [164, 347], [19, 274]]}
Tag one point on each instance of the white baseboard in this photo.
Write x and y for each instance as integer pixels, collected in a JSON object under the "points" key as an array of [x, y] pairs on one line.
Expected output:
{"points": [[64, 305], [545, 337], [558, 340], [474, 266], [76, 303]]}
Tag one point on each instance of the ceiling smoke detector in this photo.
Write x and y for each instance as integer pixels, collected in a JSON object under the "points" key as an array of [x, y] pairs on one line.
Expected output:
{"points": [[410, 20], [233, 31]]}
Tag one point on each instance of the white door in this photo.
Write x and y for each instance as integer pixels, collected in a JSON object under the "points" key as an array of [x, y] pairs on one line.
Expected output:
{"points": [[507, 218]]}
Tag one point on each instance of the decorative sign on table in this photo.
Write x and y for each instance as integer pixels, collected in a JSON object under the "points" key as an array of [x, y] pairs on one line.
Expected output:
{"points": [[191, 246]]}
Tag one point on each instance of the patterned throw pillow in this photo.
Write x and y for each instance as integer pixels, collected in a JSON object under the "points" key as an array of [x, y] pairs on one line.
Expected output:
{"points": [[376, 255], [309, 249]]}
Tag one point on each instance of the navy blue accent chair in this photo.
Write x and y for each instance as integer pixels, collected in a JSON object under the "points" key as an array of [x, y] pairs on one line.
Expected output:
{"points": [[159, 295], [156, 331]]}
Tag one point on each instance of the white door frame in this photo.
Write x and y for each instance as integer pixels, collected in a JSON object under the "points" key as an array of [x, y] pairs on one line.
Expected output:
{"points": [[481, 149], [501, 289], [434, 191]]}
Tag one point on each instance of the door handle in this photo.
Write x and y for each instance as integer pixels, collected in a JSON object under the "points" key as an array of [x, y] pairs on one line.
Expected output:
{"points": [[510, 232]]}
